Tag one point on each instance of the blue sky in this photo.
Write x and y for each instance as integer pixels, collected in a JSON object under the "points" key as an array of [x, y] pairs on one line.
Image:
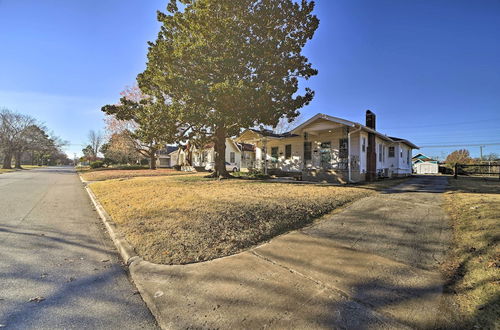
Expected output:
{"points": [[429, 69]]}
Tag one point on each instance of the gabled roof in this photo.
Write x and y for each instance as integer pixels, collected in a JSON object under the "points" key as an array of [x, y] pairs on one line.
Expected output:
{"points": [[269, 133], [326, 117], [167, 150], [422, 157], [395, 139], [171, 148], [246, 146]]}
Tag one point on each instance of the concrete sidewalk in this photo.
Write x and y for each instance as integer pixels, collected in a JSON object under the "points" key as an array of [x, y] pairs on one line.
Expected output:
{"points": [[371, 266]]}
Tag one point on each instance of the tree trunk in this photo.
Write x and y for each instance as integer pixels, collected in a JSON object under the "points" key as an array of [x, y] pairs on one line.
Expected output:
{"points": [[152, 160], [18, 159], [220, 153], [7, 160]]}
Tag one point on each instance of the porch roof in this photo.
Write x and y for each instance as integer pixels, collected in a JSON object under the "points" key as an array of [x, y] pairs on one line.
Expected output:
{"points": [[322, 125]]}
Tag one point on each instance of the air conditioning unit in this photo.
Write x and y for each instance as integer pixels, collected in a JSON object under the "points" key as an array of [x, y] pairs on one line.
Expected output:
{"points": [[383, 173]]}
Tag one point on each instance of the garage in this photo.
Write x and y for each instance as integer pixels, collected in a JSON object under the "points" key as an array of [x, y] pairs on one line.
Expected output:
{"points": [[426, 168]]}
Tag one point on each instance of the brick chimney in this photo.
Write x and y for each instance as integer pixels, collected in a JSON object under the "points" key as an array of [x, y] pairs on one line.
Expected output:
{"points": [[371, 153], [370, 119]]}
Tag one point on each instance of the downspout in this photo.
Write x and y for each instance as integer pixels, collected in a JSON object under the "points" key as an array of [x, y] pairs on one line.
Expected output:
{"points": [[265, 155], [349, 152]]}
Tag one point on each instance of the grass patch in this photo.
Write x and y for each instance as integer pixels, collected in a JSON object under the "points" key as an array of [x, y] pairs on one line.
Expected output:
{"points": [[474, 267], [179, 220], [24, 167], [102, 174]]}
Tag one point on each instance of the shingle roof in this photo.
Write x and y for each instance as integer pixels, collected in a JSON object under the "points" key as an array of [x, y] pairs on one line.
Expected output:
{"points": [[269, 133]]}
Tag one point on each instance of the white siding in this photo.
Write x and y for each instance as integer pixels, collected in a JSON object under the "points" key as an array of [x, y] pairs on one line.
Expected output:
{"points": [[362, 153], [426, 168]]}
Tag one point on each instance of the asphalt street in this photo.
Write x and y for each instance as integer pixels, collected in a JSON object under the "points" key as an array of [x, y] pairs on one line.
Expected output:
{"points": [[58, 267]]}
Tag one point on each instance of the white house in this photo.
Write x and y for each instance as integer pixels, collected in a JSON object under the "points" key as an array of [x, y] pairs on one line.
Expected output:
{"points": [[425, 165], [192, 157], [332, 149], [164, 156]]}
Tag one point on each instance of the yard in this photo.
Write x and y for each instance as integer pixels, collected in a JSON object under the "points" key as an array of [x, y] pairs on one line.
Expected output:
{"points": [[184, 219], [103, 174], [474, 267]]}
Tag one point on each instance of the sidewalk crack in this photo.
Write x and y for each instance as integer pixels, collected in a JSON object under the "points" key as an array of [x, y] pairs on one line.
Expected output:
{"points": [[382, 317]]}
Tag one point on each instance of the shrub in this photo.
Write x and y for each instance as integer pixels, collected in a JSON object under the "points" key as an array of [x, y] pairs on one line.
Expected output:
{"points": [[108, 161], [97, 164]]}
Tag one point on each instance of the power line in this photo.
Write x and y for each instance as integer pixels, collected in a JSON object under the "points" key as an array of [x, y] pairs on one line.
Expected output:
{"points": [[444, 124], [460, 145]]}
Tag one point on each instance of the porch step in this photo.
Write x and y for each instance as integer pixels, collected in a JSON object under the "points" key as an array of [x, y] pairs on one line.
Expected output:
{"points": [[188, 169]]}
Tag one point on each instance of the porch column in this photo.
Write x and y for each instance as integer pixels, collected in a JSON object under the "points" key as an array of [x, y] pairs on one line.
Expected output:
{"points": [[258, 158]]}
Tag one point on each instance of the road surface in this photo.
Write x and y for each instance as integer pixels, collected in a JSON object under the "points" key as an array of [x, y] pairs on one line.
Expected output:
{"points": [[54, 248]]}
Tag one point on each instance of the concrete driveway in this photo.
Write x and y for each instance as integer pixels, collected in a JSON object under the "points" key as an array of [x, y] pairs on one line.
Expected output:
{"points": [[53, 245], [372, 266]]}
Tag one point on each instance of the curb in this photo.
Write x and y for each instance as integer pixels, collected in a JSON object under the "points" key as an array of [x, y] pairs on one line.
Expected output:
{"points": [[127, 252], [125, 249]]}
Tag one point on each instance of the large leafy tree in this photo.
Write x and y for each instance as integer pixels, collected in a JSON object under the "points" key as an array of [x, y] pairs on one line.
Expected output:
{"points": [[229, 64], [152, 121]]}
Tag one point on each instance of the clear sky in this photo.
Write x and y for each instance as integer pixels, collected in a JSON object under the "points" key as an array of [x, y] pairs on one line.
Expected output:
{"points": [[429, 69]]}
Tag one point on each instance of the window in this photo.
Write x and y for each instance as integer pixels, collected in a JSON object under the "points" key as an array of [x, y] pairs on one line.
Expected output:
{"points": [[401, 153], [288, 151], [307, 150], [392, 152], [274, 154], [408, 157], [344, 148], [363, 144], [232, 157], [380, 152]]}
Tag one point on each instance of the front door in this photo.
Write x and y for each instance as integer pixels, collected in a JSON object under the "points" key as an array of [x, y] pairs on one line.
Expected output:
{"points": [[343, 153], [325, 153]]}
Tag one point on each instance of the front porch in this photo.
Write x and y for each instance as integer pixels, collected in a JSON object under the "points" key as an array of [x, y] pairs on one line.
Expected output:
{"points": [[317, 151]]}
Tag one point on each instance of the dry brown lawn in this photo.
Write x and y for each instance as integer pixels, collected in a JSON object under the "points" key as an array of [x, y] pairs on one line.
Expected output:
{"points": [[185, 219], [474, 267], [109, 174], [24, 167]]}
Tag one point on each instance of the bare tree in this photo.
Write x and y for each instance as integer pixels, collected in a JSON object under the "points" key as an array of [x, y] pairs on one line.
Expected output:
{"points": [[95, 140], [13, 133]]}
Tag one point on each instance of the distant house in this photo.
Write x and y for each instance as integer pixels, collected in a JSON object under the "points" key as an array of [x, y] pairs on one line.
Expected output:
{"points": [[424, 165], [332, 149], [190, 157], [164, 156]]}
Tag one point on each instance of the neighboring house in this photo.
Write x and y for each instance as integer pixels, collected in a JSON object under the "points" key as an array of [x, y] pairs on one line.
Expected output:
{"points": [[205, 158], [164, 156], [332, 149], [425, 165]]}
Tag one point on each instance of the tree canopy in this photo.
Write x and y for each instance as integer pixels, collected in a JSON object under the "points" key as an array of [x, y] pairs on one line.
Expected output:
{"points": [[152, 121], [461, 156], [227, 65]]}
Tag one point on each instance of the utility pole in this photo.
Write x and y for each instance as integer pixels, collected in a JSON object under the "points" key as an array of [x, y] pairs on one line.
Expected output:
{"points": [[481, 152]]}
